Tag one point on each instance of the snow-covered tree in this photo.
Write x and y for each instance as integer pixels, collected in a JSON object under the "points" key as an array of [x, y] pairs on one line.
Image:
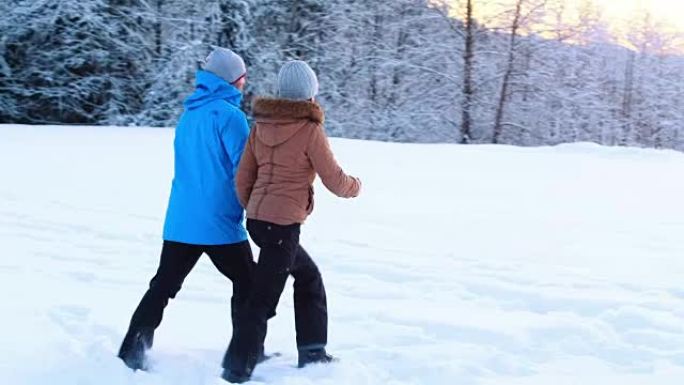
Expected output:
{"points": [[71, 61], [402, 70]]}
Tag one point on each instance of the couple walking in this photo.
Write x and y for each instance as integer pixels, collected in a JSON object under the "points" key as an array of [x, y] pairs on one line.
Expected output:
{"points": [[223, 168]]}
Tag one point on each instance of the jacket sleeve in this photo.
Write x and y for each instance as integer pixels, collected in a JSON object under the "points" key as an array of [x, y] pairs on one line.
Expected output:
{"points": [[325, 165], [247, 173], [234, 135]]}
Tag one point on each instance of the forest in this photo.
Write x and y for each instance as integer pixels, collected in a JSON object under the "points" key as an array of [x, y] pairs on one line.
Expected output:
{"points": [[401, 70]]}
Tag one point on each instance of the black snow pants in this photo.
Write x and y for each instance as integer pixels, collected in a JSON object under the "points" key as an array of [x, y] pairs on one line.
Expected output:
{"points": [[234, 261], [280, 256]]}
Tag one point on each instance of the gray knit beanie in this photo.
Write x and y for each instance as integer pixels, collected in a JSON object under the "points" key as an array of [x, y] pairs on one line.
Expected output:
{"points": [[297, 81], [225, 64]]}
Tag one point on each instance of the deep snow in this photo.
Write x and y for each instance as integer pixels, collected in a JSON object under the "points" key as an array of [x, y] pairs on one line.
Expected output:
{"points": [[458, 265]]}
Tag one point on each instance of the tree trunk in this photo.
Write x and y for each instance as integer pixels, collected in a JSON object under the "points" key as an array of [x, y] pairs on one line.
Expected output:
{"points": [[628, 99], [468, 62], [399, 53], [158, 43], [508, 74], [292, 29], [377, 36]]}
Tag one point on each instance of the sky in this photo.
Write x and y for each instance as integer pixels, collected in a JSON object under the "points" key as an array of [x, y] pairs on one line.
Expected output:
{"points": [[669, 12], [619, 14]]}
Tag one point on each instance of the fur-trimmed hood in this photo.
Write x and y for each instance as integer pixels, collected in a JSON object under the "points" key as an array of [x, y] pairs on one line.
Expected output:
{"points": [[287, 110], [278, 120]]}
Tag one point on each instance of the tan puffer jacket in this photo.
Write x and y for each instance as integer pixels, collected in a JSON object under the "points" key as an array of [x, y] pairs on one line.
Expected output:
{"points": [[287, 147]]}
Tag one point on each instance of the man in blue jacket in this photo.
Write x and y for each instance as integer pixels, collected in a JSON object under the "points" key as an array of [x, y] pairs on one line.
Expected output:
{"points": [[204, 214]]}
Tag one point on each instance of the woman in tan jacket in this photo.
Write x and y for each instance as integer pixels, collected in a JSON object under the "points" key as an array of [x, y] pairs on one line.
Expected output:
{"points": [[286, 149]]}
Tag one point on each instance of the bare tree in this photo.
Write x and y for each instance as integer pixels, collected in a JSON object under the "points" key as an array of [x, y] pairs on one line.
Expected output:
{"points": [[525, 12], [468, 64], [508, 71]]}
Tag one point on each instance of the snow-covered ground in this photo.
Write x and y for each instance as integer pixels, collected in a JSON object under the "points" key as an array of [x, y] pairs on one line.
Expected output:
{"points": [[458, 265]]}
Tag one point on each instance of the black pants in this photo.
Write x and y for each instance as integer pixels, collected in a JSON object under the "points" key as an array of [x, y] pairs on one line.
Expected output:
{"points": [[280, 256], [234, 261]]}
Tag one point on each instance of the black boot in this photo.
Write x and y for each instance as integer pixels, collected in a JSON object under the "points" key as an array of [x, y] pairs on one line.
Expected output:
{"points": [[234, 377], [237, 370], [315, 356], [133, 349], [263, 357]]}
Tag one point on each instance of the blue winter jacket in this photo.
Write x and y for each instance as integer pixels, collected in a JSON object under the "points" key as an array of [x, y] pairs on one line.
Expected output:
{"points": [[210, 137]]}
